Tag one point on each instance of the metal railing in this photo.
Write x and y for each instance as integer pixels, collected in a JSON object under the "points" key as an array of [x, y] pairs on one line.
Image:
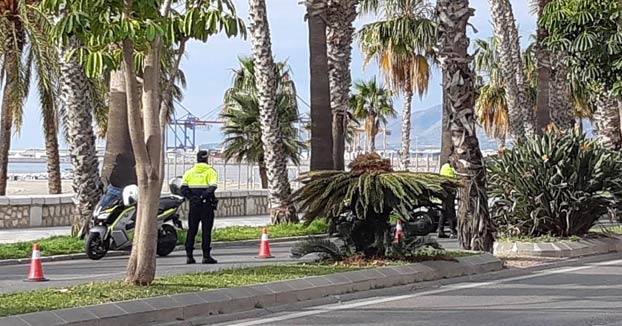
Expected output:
{"points": [[245, 176]]}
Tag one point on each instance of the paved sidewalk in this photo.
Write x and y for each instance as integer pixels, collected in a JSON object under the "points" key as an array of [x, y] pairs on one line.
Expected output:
{"points": [[19, 235]]}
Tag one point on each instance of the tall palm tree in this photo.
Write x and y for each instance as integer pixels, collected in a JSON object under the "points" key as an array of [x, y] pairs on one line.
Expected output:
{"points": [[321, 132], [372, 103], [401, 43], [242, 120], [27, 45], [544, 71], [271, 138], [76, 106], [340, 30], [522, 117], [474, 224]]}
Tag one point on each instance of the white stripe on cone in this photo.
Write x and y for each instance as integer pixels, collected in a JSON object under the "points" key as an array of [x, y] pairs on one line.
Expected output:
{"points": [[264, 237], [36, 254]]}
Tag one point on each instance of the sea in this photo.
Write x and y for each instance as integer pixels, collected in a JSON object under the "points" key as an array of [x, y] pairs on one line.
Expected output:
{"points": [[33, 168]]}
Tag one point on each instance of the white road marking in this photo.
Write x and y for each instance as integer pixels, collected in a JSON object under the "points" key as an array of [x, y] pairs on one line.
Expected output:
{"points": [[444, 289]]}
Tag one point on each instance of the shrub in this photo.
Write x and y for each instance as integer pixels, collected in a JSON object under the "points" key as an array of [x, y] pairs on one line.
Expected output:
{"points": [[557, 184], [371, 190]]}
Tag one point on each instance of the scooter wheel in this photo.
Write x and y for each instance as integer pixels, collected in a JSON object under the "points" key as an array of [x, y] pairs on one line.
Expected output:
{"points": [[167, 240], [95, 247]]}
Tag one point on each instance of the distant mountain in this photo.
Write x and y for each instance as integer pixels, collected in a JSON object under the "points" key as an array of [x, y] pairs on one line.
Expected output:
{"points": [[426, 130]]}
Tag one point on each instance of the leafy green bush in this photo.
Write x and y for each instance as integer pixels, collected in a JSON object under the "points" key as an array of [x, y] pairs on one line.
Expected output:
{"points": [[371, 190], [558, 184]]}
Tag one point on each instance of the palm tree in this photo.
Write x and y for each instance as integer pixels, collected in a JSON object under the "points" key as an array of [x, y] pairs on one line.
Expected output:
{"points": [[321, 132], [76, 105], [543, 60], [520, 109], [372, 103], [271, 138], [561, 107], [401, 43], [340, 30], [27, 45], [491, 106], [474, 224], [242, 120], [119, 163]]}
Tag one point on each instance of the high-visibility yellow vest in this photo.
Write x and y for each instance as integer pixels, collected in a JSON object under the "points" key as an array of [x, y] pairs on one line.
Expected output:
{"points": [[448, 171], [201, 175]]}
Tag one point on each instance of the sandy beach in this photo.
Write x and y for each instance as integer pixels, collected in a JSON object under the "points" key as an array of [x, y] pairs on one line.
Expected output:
{"points": [[34, 187]]}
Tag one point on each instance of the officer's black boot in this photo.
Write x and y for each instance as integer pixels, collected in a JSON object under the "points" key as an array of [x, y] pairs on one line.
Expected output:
{"points": [[208, 259], [189, 258]]}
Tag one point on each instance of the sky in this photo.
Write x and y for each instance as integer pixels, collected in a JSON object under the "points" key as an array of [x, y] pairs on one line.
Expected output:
{"points": [[208, 65]]}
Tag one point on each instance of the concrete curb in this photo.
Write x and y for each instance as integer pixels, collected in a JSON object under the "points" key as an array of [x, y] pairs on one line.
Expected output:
{"points": [[234, 300], [561, 249], [215, 245]]}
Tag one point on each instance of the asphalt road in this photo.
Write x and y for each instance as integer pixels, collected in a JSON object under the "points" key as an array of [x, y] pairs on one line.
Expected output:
{"points": [[588, 294], [66, 273]]}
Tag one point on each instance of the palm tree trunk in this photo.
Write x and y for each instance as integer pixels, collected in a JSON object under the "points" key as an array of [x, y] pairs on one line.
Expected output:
{"points": [[12, 97], [543, 62], [501, 143], [265, 74], [475, 227], [607, 120], [578, 125], [263, 172], [559, 102], [340, 30], [406, 125], [446, 142], [50, 124], [119, 163], [520, 110], [5, 134], [321, 131], [78, 122]]}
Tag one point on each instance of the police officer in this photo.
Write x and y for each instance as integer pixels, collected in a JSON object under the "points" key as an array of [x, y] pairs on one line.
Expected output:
{"points": [[449, 206], [199, 185]]}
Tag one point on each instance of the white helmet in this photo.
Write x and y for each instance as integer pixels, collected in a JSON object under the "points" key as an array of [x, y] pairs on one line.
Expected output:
{"points": [[130, 195]]}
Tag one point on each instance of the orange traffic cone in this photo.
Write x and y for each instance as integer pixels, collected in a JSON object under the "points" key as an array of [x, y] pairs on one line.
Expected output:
{"points": [[399, 232], [264, 246], [36, 269]]}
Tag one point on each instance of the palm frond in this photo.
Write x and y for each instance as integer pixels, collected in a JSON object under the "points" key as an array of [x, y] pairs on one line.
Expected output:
{"points": [[368, 187], [241, 114], [401, 44]]}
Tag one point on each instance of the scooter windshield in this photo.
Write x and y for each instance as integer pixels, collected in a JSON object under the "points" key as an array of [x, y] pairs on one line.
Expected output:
{"points": [[110, 198]]}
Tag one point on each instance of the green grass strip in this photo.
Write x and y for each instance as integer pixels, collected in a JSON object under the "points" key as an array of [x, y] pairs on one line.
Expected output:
{"points": [[608, 230], [104, 292], [63, 245]]}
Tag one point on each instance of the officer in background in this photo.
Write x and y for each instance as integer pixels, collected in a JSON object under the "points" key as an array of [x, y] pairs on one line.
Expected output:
{"points": [[449, 206], [199, 185]]}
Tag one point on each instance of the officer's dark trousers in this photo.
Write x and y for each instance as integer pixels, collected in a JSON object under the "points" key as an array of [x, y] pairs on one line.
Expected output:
{"points": [[449, 214], [204, 214]]}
